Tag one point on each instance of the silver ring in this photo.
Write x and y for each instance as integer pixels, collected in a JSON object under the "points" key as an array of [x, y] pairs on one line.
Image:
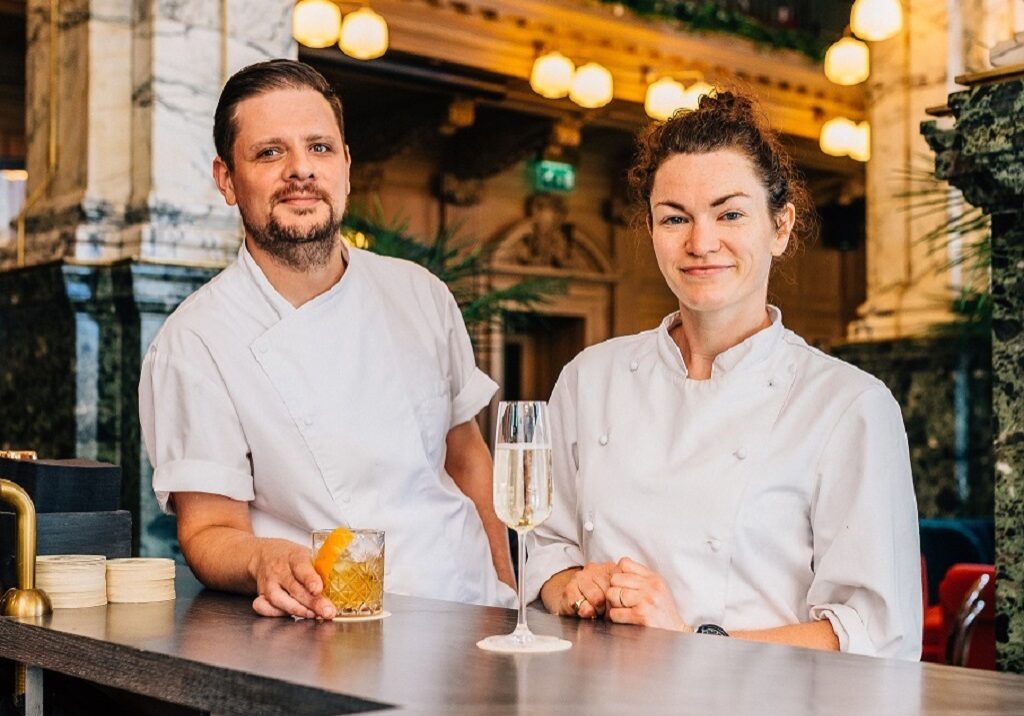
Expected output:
{"points": [[578, 603]]}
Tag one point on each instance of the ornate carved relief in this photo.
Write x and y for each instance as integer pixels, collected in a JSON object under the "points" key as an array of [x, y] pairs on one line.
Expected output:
{"points": [[546, 239]]}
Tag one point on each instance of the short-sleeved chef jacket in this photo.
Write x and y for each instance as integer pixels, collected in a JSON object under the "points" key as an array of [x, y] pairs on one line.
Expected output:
{"points": [[333, 413]]}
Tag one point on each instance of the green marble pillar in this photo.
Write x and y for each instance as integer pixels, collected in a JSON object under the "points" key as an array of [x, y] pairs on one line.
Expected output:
{"points": [[72, 337], [983, 156]]}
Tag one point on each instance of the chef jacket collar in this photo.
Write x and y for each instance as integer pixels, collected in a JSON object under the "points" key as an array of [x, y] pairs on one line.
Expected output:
{"points": [[747, 353], [278, 303]]}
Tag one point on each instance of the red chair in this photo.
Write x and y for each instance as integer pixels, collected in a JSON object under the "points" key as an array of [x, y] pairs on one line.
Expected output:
{"points": [[967, 596], [933, 642]]}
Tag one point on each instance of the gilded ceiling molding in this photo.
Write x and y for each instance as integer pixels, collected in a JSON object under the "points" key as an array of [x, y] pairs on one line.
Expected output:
{"points": [[503, 36]]}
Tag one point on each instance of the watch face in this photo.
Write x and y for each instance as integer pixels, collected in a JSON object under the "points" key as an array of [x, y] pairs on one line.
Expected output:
{"points": [[712, 629]]}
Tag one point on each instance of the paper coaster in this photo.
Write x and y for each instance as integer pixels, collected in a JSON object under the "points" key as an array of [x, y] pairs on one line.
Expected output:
{"points": [[368, 618], [539, 645]]}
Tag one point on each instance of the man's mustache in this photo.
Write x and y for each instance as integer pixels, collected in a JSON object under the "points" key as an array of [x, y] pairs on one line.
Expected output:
{"points": [[305, 190]]}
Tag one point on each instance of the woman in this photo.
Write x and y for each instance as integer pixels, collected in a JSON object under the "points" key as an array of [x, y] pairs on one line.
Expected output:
{"points": [[717, 474]]}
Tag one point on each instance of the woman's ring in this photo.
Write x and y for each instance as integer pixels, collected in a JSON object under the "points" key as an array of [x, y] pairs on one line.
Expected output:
{"points": [[578, 603]]}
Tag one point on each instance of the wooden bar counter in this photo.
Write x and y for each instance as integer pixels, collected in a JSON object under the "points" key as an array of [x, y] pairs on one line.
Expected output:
{"points": [[209, 651]]}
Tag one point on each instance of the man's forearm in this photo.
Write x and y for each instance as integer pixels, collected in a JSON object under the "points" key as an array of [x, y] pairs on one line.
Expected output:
{"points": [[468, 461], [221, 558]]}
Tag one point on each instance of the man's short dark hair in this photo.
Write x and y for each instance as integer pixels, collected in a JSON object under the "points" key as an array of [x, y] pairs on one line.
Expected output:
{"points": [[260, 78]]}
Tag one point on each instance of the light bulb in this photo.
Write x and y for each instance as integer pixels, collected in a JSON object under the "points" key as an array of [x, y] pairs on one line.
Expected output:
{"points": [[552, 75], [876, 20], [847, 62], [663, 98], [364, 34], [316, 23], [838, 137], [591, 86]]}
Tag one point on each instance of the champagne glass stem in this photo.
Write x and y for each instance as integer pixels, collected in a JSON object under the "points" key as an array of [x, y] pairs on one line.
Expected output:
{"points": [[521, 628]]}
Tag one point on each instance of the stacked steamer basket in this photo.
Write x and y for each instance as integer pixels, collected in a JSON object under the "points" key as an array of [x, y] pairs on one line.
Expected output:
{"points": [[136, 580], [73, 580]]}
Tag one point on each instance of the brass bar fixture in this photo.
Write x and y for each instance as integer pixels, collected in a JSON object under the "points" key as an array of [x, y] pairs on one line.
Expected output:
{"points": [[24, 600]]}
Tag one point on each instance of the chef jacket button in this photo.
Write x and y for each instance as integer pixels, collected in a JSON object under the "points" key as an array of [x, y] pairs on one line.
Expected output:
{"points": [[633, 366], [346, 498], [603, 439], [771, 382], [741, 453], [588, 526], [714, 545], [307, 421], [262, 349]]}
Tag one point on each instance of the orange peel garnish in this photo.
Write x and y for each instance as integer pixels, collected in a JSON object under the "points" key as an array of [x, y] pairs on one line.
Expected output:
{"points": [[330, 550]]}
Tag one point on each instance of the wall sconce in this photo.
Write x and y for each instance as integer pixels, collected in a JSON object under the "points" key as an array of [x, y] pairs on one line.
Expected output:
{"points": [[316, 23], [592, 86], [364, 34], [876, 20], [847, 62], [552, 75]]}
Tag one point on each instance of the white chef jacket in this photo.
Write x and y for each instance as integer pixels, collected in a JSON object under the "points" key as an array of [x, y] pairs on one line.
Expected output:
{"points": [[333, 413], [776, 492]]}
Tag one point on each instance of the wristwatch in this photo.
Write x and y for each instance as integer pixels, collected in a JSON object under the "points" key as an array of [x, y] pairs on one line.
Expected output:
{"points": [[711, 629]]}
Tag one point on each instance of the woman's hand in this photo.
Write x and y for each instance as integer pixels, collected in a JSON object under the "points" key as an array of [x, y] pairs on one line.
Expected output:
{"points": [[584, 594], [638, 595]]}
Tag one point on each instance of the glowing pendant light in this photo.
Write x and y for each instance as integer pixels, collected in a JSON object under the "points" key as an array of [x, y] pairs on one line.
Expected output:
{"points": [[663, 98], [591, 86], [846, 62], [876, 20], [838, 137], [552, 75], [695, 91], [316, 23], [861, 147], [364, 34]]}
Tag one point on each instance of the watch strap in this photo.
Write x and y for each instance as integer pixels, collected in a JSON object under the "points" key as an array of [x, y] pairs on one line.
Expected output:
{"points": [[711, 629]]}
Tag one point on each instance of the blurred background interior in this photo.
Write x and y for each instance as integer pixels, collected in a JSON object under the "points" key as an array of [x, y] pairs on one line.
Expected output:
{"points": [[506, 126]]}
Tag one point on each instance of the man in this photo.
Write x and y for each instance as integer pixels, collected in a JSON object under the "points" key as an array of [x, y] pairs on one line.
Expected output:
{"points": [[310, 385]]}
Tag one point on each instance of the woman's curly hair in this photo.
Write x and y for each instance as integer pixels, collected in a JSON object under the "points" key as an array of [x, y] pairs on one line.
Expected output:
{"points": [[726, 120]]}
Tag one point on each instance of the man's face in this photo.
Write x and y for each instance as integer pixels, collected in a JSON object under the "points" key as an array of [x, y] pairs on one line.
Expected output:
{"points": [[290, 176]]}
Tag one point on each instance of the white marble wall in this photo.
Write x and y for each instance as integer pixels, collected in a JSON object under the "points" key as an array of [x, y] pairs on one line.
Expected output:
{"points": [[909, 287], [138, 83]]}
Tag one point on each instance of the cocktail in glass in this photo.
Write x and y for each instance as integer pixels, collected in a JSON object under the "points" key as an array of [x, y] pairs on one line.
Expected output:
{"points": [[351, 564]]}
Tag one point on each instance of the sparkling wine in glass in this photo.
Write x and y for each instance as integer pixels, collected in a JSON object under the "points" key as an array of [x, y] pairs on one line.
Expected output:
{"points": [[522, 499]]}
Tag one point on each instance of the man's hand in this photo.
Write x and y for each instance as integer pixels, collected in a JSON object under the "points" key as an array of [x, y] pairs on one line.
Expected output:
{"points": [[286, 583], [216, 537], [638, 595]]}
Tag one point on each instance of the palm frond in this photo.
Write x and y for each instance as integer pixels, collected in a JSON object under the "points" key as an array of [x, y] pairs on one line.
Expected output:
{"points": [[456, 260]]}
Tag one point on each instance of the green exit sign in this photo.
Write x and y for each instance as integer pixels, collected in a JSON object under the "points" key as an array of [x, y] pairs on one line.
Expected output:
{"points": [[554, 176]]}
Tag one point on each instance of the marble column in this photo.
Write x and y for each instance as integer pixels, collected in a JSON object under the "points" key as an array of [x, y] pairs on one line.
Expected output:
{"points": [[125, 220], [983, 155], [131, 99]]}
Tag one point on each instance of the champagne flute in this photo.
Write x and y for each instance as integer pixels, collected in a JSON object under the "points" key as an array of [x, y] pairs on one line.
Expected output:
{"points": [[522, 499]]}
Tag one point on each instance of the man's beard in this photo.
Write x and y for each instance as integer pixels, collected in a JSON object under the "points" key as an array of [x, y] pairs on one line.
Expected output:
{"points": [[298, 249]]}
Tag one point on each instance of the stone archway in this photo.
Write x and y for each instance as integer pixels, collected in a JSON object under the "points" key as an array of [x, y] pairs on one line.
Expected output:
{"points": [[545, 244]]}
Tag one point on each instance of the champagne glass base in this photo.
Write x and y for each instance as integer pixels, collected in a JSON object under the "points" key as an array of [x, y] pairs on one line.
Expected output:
{"points": [[516, 644]]}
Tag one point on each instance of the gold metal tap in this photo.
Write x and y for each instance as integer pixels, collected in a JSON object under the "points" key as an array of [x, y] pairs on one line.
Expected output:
{"points": [[23, 600]]}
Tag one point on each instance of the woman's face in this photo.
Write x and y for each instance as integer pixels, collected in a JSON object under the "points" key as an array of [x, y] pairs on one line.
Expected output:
{"points": [[713, 235]]}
